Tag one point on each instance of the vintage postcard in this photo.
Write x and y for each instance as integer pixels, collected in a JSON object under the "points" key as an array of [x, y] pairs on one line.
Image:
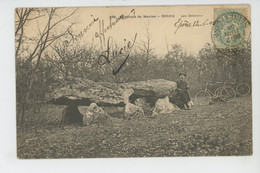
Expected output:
{"points": [[133, 81]]}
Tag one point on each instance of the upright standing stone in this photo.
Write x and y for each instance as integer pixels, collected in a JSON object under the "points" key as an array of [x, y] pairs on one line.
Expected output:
{"points": [[163, 106], [133, 111], [95, 115]]}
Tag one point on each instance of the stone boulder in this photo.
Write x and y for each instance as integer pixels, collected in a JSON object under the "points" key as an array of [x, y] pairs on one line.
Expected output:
{"points": [[133, 111], [95, 115], [84, 92], [144, 103], [163, 106], [150, 89]]}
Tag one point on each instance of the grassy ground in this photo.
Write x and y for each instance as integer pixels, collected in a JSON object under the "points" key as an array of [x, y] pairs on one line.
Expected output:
{"points": [[220, 129]]}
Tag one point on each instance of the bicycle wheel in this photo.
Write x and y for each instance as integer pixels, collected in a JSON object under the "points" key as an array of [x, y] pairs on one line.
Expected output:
{"points": [[228, 94], [243, 89], [218, 90], [202, 97]]}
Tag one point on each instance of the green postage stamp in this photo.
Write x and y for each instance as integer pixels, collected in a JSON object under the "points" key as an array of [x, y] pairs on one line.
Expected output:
{"points": [[231, 28]]}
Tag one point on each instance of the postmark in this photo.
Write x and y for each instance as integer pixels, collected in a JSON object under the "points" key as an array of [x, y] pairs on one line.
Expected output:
{"points": [[230, 31]]}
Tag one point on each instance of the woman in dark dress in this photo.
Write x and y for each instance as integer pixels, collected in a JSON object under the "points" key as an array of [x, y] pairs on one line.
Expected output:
{"points": [[182, 91]]}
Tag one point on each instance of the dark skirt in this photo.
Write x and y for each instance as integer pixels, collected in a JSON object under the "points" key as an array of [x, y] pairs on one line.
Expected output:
{"points": [[184, 97]]}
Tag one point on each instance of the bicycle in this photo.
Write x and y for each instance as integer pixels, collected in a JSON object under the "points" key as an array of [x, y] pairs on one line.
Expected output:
{"points": [[243, 89], [204, 96], [228, 94]]}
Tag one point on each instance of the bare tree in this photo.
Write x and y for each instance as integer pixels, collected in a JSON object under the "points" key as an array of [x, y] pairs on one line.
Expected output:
{"points": [[46, 36], [73, 61], [145, 45]]}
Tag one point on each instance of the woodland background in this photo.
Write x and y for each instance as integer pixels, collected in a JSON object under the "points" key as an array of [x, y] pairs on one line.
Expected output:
{"points": [[45, 59]]}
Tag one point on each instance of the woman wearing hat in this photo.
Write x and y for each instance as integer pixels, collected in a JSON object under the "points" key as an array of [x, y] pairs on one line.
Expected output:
{"points": [[182, 90]]}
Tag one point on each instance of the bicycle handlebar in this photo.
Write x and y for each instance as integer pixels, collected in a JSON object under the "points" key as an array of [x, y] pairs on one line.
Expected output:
{"points": [[209, 83]]}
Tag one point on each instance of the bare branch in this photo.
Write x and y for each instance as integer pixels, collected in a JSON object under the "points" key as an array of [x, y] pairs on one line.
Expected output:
{"points": [[68, 16], [23, 18], [47, 30], [35, 17]]}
